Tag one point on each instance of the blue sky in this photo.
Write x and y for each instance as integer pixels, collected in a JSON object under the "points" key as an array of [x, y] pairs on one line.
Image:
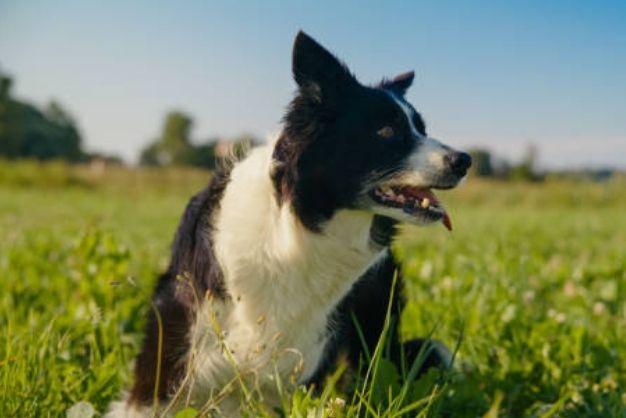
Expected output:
{"points": [[495, 74]]}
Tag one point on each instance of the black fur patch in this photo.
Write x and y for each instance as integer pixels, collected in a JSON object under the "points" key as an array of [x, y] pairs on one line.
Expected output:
{"points": [[193, 273], [382, 230], [366, 306]]}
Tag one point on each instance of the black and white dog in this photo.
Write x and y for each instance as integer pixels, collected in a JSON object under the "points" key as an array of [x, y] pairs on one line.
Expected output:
{"points": [[278, 258]]}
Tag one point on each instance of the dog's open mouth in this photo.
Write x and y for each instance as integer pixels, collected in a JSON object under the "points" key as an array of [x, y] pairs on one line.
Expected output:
{"points": [[416, 201]]}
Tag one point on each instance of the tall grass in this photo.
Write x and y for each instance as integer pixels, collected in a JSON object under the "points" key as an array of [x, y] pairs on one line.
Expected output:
{"points": [[532, 283]]}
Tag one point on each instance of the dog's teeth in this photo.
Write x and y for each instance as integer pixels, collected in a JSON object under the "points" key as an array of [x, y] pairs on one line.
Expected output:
{"points": [[425, 203], [400, 198]]}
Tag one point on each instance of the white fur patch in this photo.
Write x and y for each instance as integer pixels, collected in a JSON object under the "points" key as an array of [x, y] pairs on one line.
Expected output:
{"points": [[428, 158], [283, 282], [121, 409], [408, 112]]}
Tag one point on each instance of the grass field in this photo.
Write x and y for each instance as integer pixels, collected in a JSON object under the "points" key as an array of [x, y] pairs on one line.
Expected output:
{"points": [[531, 283]]}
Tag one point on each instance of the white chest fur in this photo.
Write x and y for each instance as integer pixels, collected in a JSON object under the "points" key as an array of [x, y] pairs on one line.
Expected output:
{"points": [[283, 281]]}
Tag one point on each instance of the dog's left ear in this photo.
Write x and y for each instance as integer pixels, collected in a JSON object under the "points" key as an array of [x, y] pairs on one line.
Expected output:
{"points": [[400, 83], [314, 66]]}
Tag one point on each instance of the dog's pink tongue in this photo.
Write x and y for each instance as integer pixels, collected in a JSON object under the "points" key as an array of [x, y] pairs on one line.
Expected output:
{"points": [[427, 193], [447, 222]]}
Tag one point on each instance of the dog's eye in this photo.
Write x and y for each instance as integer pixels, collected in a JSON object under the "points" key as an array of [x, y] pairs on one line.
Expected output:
{"points": [[385, 132]]}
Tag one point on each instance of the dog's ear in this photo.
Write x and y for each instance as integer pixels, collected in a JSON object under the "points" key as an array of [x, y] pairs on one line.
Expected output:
{"points": [[313, 66], [400, 83]]}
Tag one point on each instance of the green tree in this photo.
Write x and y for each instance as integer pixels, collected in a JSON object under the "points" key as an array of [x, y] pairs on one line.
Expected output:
{"points": [[174, 146], [527, 169], [5, 87], [69, 140], [482, 165], [203, 155], [27, 132]]}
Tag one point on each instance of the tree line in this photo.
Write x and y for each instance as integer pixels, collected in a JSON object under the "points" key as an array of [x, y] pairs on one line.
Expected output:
{"points": [[174, 145], [485, 164], [27, 132]]}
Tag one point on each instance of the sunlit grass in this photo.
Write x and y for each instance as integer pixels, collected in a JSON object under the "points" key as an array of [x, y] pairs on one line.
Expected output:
{"points": [[532, 282]]}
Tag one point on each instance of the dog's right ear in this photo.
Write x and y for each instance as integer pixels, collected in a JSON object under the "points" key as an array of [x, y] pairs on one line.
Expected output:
{"points": [[313, 66]]}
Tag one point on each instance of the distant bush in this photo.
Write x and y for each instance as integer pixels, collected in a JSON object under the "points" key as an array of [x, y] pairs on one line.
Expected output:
{"points": [[484, 164], [481, 162], [29, 173], [174, 146], [27, 132], [43, 134]]}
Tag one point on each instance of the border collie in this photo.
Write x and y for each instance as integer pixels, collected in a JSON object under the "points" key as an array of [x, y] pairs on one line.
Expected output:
{"points": [[280, 257]]}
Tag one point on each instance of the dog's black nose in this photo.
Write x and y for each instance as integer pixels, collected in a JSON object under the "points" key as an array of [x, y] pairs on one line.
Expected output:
{"points": [[458, 162]]}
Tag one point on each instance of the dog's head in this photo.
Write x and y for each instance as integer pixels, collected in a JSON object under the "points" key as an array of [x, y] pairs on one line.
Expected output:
{"points": [[350, 146]]}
